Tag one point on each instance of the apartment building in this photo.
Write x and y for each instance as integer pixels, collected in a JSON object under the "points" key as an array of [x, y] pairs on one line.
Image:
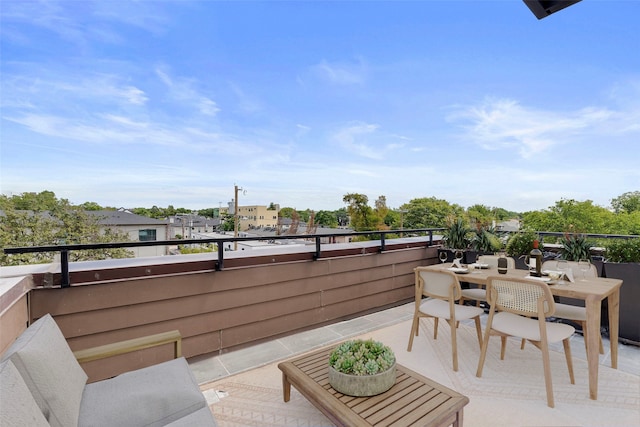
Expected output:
{"points": [[257, 217]]}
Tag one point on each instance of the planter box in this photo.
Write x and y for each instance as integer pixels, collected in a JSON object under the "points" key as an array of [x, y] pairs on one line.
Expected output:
{"points": [[468, 256], [629, 298]]}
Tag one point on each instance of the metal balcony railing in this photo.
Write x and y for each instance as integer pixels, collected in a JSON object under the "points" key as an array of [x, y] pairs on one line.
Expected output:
{"points": [[64, 250]]}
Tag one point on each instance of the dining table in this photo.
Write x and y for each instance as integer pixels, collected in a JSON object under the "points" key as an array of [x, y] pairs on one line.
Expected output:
{"points": [[592, 290]]}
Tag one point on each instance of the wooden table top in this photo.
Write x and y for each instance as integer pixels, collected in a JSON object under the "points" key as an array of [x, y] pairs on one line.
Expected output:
{"points": [[413, 400], [598, 287]]}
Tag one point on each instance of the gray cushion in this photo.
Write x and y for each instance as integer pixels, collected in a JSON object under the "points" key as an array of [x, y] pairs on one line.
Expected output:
{"points": [[200, 418], [153, 396], [526, 327], [17, 406], [50, 371]]}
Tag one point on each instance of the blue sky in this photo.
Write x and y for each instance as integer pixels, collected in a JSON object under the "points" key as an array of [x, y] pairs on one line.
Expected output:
{"points": [[135, 104]]}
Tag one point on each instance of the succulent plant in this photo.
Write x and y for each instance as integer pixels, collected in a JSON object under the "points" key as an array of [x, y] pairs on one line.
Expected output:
{"points": [[362, 357]]}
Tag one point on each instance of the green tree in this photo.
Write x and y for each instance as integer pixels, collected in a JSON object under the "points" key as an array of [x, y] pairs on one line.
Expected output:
{"points": [[481, 215], [429, 212], [62, 224], [381, 213], [91, 206], [626, 203], [360, 213], [326, 219], [286, 212], [571, 215], [342, 216], [209, 212], [37, 202]]}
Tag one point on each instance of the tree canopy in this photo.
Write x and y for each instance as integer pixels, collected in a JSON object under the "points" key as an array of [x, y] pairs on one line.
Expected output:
{"points": [[25, 222]]}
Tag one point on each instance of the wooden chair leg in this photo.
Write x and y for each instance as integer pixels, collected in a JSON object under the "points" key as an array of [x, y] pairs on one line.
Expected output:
{"points": [[567, 355], [546, 362], [503, 346], [415, 326], [454, 345], [479, 331], [522, 344], [483, 352], [435, 328]]}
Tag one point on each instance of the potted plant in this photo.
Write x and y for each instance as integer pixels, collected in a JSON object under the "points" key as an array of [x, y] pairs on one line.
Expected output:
{"points": [[623, 262], [519, 245], [485, 240], [456, 238], [576, 247], [362, 368]]}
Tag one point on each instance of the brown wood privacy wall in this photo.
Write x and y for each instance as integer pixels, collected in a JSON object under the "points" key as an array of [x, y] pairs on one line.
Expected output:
{"points": [[217, 311]]}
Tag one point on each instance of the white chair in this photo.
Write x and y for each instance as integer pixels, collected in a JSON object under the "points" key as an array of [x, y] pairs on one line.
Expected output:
{"points": [[519, 308], [479, 294], [442, 290], [573, 312]]}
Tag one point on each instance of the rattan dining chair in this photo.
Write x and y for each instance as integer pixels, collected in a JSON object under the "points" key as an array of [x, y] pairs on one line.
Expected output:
{"points": [[479, 294], [573, 312], [519, 307], [442, 290]]}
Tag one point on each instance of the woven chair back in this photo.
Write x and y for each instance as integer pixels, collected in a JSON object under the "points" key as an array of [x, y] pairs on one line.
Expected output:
{"points": [[520, 296]]}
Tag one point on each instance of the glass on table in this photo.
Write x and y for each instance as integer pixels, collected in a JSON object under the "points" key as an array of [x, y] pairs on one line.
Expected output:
{"points": [[562, 266], [584, 265], [443, 257]]}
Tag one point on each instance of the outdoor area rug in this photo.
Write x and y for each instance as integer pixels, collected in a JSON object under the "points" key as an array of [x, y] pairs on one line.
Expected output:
{"points": [[510, 393]]}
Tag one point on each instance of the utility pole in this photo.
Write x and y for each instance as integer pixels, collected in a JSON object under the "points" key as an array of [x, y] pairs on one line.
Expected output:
{"points": [[402, 212], [236, 219]]}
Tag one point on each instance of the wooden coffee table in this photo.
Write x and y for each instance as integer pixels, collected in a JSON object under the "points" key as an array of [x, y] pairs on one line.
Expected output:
{"points": [[413, 400]]}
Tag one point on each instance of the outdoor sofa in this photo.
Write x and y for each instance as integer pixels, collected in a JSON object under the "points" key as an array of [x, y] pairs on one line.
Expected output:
{"points": [[42, 384]]}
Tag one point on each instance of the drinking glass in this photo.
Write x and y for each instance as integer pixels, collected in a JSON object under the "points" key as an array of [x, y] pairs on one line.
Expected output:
{"points": [[585, 267], [562, 266], [443, 257]]}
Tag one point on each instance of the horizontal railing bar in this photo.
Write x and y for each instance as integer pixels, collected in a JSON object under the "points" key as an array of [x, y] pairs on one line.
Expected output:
{"points": [[89, 246]]}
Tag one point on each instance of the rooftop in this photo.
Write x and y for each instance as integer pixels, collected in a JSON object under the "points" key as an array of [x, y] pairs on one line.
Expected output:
{"points": [[231, 380], [239, 321]]}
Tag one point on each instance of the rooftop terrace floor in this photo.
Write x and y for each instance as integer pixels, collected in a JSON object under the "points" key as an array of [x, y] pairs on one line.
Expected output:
{"points": [[256, 367]]}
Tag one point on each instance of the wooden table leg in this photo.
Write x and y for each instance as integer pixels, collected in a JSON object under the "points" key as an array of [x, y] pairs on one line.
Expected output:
{"points": [[593, 305], [458, 421], [613, 303], [286, 388]]}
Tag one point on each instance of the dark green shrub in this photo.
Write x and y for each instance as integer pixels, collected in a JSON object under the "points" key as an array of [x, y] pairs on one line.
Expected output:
{"points": [[576, 247], [485, 240], [457, 235], [623, 250], [520, 243]]}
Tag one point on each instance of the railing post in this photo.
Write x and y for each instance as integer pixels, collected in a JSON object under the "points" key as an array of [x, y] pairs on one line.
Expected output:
{"points": [[317, 254], [220, 264], [382, 242], [430, 237], [64, 268]]}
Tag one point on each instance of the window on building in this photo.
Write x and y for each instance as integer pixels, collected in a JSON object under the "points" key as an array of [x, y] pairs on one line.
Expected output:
{"points": [[146, 235]]}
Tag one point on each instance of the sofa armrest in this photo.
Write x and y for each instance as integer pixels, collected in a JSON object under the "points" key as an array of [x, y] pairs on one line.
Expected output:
{"points": [[128, 346]]}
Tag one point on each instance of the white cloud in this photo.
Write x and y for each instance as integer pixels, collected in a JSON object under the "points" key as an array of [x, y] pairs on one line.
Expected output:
{"points": [[353, 138], [183, 91], [506, 124], [341, 73]]}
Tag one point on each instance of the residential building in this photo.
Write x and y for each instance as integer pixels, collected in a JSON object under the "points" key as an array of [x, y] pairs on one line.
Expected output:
{"points": [[139, 228]]}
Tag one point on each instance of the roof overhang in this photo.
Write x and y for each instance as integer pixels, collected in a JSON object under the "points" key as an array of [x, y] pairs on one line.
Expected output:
{"points": [[544, 8]]}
